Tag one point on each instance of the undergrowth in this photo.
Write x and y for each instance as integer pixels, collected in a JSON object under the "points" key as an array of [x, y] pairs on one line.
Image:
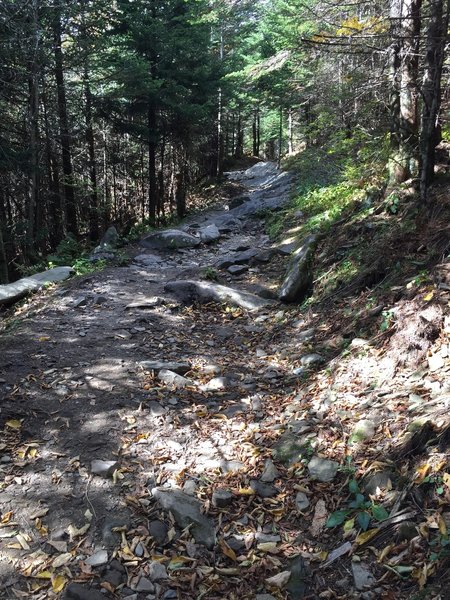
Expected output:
{"points": [[349, 174]]}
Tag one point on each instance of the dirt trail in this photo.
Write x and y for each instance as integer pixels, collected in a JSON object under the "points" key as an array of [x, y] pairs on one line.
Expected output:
{"points": [[74, 391], [153, 449]]}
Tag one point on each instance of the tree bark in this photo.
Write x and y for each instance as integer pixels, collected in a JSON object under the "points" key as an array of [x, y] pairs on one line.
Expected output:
{"points": [[33, 86], [94, 225], [280, 137], [431, 90], [405, 30], [65, 137], [152, 179]]}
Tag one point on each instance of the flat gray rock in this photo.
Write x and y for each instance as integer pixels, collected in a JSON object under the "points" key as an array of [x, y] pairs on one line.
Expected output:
{"points": [[322, 469], [203, 292], [147, 260], [186, 512], [237, 269], [98, 559], [301, 501], [103, 468], [13, 291], [298, 281], [216, 384], [169, 239], [362, 576], [171, 378], [157, 365], [76, 591], [209, 233], [270, 472], [311, 360]]}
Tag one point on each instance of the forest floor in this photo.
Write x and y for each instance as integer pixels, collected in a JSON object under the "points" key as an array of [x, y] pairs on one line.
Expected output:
{"points": [[301, 451]]}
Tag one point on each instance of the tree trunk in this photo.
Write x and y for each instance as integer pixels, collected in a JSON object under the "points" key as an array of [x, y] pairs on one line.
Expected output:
{"points": [[280, 137], [152, 179], [94, 226], [33, 86], [4, 278], [290, 132], [180, 194], [239, 149], [405, 30], [65, 138], [55, 220], [255, 132], [431, 90], [220, 140]]}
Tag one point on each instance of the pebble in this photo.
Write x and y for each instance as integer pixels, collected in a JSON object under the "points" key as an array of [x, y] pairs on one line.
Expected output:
{"points": [[270, 472], [190, 487], [158, 531], [222, 498], [156, 571], [362, 576], [322, 469], [145, 585], [264, 490], [155, 409], [301, 501], [98, 559], [103, 468], [311, 360], [218, 383]]}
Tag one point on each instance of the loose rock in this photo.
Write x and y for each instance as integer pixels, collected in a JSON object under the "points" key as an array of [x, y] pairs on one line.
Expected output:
{"points": [[270, 472], [322, 469], [186, 511], [103, 468], [222, 498]]}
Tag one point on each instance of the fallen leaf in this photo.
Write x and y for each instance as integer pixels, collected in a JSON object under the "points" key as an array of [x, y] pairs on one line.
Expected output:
{"points": [[365, 536], [14, 424], [280, 580], [229, 552], [62, 560], [59, 583]]}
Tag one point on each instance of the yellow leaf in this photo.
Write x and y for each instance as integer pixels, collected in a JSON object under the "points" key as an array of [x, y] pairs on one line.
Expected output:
{"points": [[385, 552], [44, 338], [32, 452], [58, 583], [365, 536], [428, 296], [246, 491], [442, 526], [6, 518], [62, 560], [267, 547], [178, 562], [44, 575], [421, 473], [446, 479], [348, 525], [14, 424], [227, 550]]}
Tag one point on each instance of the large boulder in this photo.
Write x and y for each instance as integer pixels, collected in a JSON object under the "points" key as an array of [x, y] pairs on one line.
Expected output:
{"points": [[203, 292], [209, 233], [169, 239], [13, 291], [298, 281], [106, 250]]}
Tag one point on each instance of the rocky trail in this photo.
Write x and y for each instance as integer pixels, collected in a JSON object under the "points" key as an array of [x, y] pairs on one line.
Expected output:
{"points": [[171, 430]]}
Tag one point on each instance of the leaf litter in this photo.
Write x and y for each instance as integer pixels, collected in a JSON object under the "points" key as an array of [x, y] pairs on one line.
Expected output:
{"points": [[378, 528]]}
